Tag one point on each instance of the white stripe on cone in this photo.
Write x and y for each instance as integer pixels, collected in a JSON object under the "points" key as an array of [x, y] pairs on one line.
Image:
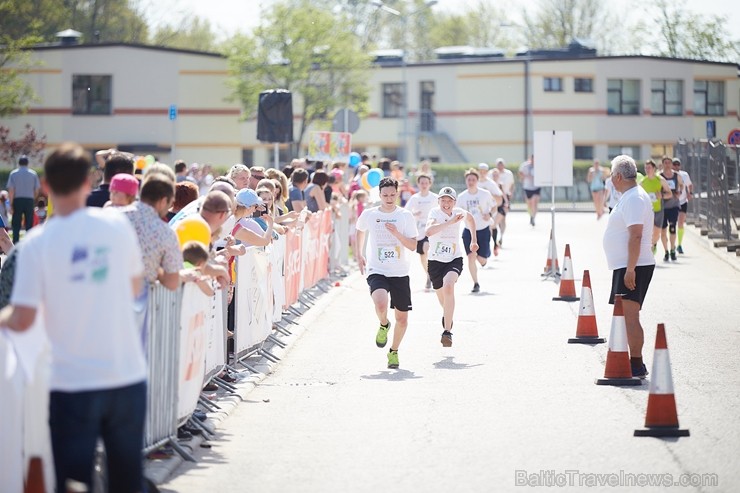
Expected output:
{"points": [[618, 335], [567, 269], [661, 381], [587, 302]]}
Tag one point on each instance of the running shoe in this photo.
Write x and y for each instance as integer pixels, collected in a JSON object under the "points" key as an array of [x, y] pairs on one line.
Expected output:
{"points": [[531, 220], [666, 256], [680, 249], [673, 255], [639, 371], [381, 338], [476, 288], [393, 359], [446, 339]]}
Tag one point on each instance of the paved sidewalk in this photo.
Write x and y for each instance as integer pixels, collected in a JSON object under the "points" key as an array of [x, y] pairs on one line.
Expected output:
{"points": [[511, 395]]}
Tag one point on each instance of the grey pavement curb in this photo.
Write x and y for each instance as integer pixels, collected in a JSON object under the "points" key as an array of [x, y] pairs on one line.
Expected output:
{"points": [[159, 471], [729, 258]]}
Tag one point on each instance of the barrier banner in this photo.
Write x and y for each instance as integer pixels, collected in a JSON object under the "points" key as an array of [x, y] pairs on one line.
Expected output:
{"points": [[216, 336], [292, 266], [254, 299], [325, 242], [25, 367], [277, 260], [196, 306], [311, 249], [316, 244]]}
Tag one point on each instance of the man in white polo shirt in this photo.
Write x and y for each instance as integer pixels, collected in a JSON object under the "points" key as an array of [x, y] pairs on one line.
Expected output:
{"points": [[627, 244]]}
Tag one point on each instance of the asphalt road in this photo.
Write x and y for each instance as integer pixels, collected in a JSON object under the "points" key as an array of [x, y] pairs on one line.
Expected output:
{"points": [[511, 405]]}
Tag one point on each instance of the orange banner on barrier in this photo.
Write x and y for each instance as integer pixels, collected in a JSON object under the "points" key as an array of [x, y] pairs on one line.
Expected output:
{"points": [[292, 271]]}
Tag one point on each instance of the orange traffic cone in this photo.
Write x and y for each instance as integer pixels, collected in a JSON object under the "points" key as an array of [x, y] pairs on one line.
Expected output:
{"points": [[552, 267], [661, 419], [586, 330], [567, 283], [35, 477], [618, 370]]}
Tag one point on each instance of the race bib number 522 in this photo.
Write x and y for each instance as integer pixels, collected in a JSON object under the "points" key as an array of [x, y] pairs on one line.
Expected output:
{"points": [[389, 254]]}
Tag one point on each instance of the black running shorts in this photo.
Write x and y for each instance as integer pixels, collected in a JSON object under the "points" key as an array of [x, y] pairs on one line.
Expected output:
{"points": [[438, 270], [643, 275], [398, 287]]}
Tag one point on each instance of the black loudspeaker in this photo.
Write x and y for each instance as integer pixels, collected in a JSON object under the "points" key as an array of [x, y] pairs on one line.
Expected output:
{"points": [[275, 116]]}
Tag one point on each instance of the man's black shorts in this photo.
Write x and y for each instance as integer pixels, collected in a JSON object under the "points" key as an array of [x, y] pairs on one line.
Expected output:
{"points": [[483, 237], [532, 193], [438, 270], [670, 216], [398, 287], [502, 210], [420, 245], [643, 275], [684, 207]]}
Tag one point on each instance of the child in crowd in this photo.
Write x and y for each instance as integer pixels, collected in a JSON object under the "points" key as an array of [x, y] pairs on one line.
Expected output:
{"points": [[40, 210], [195, 255], [123, 190]]}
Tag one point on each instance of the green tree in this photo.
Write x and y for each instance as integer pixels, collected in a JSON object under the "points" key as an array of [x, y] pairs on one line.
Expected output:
{"points": [[556, 22], [192, 34], [15, 37], [15, 93], [97, 20], [685, 34], [306, 50], [480, 25]]}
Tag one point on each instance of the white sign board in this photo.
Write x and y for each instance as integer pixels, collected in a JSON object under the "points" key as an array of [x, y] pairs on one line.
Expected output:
{"points": [[553, 158]]}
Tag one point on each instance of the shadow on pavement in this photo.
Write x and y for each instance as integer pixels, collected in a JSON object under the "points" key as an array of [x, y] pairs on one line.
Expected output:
{"points": [[448, 363], [398, 375]]}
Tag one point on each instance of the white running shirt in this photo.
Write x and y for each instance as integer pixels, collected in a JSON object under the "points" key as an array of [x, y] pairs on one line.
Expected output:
{"points": [[446, 245], [477, 204], [77, 271], [420, 207], [386, 255]]}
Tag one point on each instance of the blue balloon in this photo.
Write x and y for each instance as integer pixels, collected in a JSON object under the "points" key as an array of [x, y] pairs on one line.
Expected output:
{"points": [[354, 159], [374, 176]]}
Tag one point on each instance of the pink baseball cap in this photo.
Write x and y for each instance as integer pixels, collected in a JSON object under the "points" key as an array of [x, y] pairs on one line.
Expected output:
{"points": [[124, 183]]}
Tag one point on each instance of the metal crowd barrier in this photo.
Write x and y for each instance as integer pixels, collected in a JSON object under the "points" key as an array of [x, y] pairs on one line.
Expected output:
{"points": [[163, 333], [186, 335], [713, 168]]}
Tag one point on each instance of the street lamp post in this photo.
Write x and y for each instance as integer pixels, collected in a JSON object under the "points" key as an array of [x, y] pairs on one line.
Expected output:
{"points": [[404, 17], [528, 125]]}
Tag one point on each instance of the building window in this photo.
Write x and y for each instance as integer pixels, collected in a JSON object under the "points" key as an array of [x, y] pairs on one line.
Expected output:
{"points": [[657, 151], [553, 84], [667, 97], [623, 97], [91, 94], [393, 100], [584, 152], [709, 97], [248, 157], [583, 85], [632, 151]]}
